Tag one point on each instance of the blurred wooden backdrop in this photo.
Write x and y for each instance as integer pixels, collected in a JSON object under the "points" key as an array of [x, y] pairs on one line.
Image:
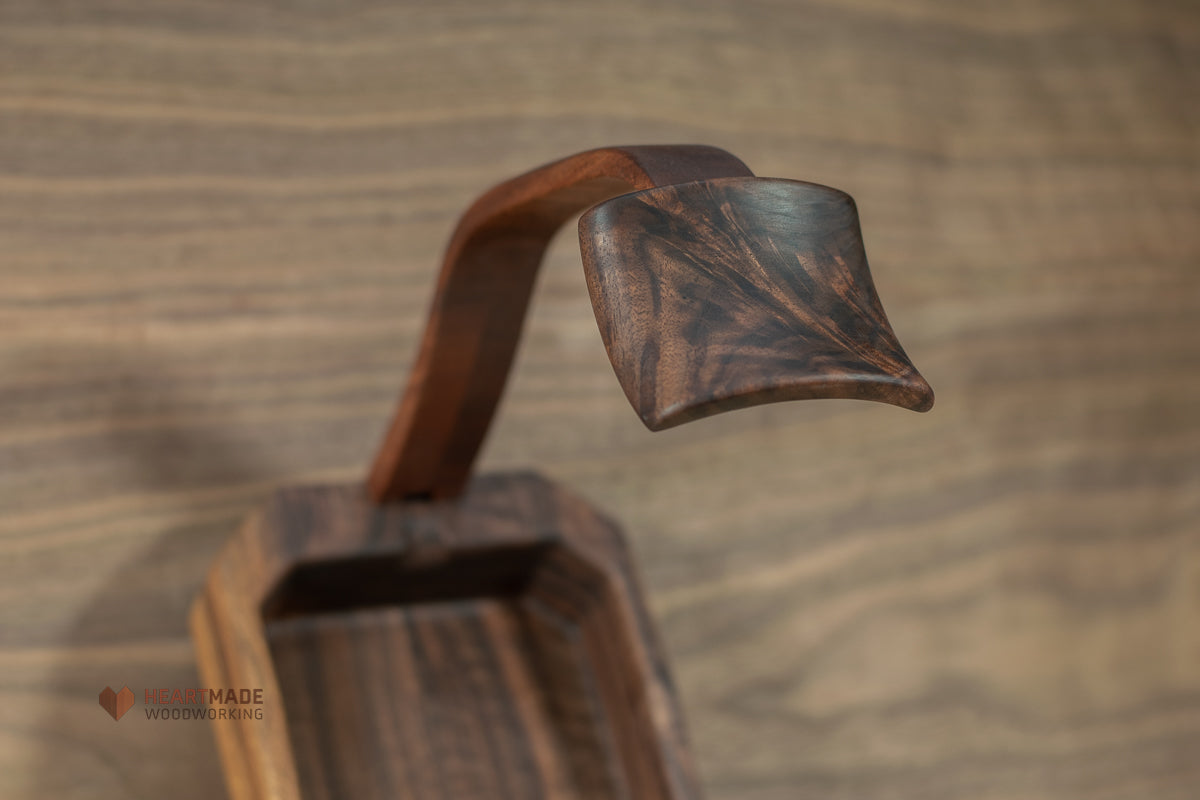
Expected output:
{"points": [[219, 225]]}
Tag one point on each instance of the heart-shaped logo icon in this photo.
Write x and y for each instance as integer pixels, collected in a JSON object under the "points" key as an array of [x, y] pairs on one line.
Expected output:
{"points": [[116, 703]]}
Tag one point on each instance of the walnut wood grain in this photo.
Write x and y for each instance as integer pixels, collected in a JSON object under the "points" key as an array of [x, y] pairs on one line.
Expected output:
{"points": [[482, 294], [493, 647], [710, 297], [722, 294], [498, 646], [219, 225]]}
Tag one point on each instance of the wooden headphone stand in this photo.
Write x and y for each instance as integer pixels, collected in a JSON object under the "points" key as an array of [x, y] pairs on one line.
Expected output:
{"points": [[437, 635]]}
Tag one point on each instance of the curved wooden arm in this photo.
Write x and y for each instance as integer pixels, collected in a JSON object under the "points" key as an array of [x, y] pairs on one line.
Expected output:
{"points": [[481, 299], [713, 290]]}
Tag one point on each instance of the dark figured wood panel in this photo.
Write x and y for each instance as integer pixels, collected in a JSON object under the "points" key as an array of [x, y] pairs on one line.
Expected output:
{"points": [[220, 225], [493, 646], [722, 294]]}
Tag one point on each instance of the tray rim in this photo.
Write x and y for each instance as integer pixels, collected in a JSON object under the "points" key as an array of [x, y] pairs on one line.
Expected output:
{"points": [[309, 525]]}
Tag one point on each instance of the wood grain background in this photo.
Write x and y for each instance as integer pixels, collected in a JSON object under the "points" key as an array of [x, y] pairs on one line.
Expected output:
{"points": [[219, 225]]}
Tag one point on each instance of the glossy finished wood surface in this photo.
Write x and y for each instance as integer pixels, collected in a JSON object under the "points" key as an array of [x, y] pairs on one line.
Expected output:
{"points": [[482, 294], [489, 640], [219, 225], [722, 294], [492, 646], [714, 290]]}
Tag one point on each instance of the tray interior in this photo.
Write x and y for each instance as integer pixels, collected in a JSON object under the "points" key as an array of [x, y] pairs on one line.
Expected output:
{"points": [[501, 673]]}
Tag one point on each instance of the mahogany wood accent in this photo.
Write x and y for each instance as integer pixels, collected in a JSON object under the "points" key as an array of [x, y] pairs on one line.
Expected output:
{"points": [[482, 295], [721, 294], [496, 646]]}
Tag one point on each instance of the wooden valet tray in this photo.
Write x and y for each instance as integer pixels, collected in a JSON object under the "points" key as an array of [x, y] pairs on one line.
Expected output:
{"points": [[494, 646]]}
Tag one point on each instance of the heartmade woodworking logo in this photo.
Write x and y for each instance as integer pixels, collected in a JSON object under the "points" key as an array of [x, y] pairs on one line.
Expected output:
{"points": [[187, 703], [116, 703]]}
